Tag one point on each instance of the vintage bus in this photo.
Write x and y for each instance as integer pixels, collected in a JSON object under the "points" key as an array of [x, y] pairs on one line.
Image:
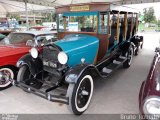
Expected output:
{"points": [[96, 39]]}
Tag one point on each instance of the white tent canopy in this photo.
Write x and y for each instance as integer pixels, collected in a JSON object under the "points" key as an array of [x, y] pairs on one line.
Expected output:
{"points": [[53, 3], [7, 6], [21, 5]]}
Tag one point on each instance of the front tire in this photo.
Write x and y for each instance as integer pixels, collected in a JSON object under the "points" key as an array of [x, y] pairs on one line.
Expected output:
{"points": [[80, 94], [25, 76], [6, 83]]}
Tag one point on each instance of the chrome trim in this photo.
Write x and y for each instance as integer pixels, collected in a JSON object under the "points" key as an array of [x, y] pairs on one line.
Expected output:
{"points": [[158, 87], [1, 75], [158, 81]]}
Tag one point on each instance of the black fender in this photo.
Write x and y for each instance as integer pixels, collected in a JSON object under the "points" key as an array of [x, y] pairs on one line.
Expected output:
{"points": [[141, 39], [137, 40], [124, 48], [76, 72], [35, 65]]}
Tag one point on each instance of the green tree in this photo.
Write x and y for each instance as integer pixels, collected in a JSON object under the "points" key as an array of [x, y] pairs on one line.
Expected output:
{"points": [[49, 17], [149, 15], [158, 23], [16, 16]]}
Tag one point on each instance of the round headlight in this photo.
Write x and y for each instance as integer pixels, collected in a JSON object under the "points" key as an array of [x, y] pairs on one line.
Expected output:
{"points": [[152, 106], [34, 52], [62, 58]]}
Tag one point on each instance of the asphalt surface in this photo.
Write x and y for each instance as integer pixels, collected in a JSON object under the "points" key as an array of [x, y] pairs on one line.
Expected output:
{"points": [[117, 94]]}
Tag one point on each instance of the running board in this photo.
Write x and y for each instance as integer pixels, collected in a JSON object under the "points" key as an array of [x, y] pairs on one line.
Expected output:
{"points": [[108, 70], [42, 93]]}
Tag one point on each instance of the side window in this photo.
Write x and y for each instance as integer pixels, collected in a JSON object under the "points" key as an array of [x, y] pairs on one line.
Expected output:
{"points": [[46, 39], [103, 23], [50, 38], [16, 38], [129, 29], [113, 30], [60, 23], [134, 25], [122, 27], [41, 40]]}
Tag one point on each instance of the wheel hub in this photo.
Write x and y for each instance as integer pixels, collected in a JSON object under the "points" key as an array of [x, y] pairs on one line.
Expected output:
{"points": [[4, 77], [84, 93]]}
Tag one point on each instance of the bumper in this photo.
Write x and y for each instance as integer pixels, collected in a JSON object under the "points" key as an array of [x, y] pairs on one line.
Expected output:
{"points": [[42, 93]]}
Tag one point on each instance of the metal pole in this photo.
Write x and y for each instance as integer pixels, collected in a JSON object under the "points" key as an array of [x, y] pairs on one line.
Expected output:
{"points": [[34, 19], [27, 22]]}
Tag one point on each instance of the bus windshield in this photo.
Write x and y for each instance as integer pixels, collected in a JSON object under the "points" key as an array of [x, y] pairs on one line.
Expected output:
{"points": [[78, 22]]}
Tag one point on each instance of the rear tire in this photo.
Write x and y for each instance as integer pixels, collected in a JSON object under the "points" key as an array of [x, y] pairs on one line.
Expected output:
{"points": [[25, 76], [80, 94], [136, 52], [129, 56], [142, 46]]}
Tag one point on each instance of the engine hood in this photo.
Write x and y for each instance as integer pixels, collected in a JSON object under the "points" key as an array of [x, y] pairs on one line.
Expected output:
{"points": [[78, 46], [75, 41]]}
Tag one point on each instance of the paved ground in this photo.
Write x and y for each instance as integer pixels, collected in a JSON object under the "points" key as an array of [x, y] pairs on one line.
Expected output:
{"points": [[117, 94]]}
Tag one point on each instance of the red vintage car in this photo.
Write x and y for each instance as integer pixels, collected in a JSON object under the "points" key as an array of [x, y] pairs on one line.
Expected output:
{"points": [[149, 96], [14, 46]]}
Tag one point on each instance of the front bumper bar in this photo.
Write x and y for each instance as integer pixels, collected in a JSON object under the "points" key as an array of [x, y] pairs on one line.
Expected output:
{"points": [[45, 95]]}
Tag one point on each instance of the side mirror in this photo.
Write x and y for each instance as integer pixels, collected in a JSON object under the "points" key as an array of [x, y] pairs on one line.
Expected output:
{"points": [[30, 43], [157, 49]]}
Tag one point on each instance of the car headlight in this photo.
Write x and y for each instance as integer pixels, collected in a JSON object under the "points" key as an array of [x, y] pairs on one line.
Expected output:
{"points": [[152, 106], [34, 52], [62, 58]]}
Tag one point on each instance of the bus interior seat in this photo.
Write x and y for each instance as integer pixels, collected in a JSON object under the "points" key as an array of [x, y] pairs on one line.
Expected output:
{"points": [[121, 38], [128, 32], [112, 37], [88, 29]]}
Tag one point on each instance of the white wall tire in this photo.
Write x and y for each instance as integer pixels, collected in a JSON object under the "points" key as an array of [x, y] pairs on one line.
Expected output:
{"points": [[129, 56], [75, 91], [11, 75]]}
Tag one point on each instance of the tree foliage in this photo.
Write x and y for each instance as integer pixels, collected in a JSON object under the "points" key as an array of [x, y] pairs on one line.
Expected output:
{"points": [[158, 23], [15, 16], [149, 15]]}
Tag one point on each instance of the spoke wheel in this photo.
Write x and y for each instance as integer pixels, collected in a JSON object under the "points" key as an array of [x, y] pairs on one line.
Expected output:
{"points": [[83, 93], [80, 94], [6, 81]]}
